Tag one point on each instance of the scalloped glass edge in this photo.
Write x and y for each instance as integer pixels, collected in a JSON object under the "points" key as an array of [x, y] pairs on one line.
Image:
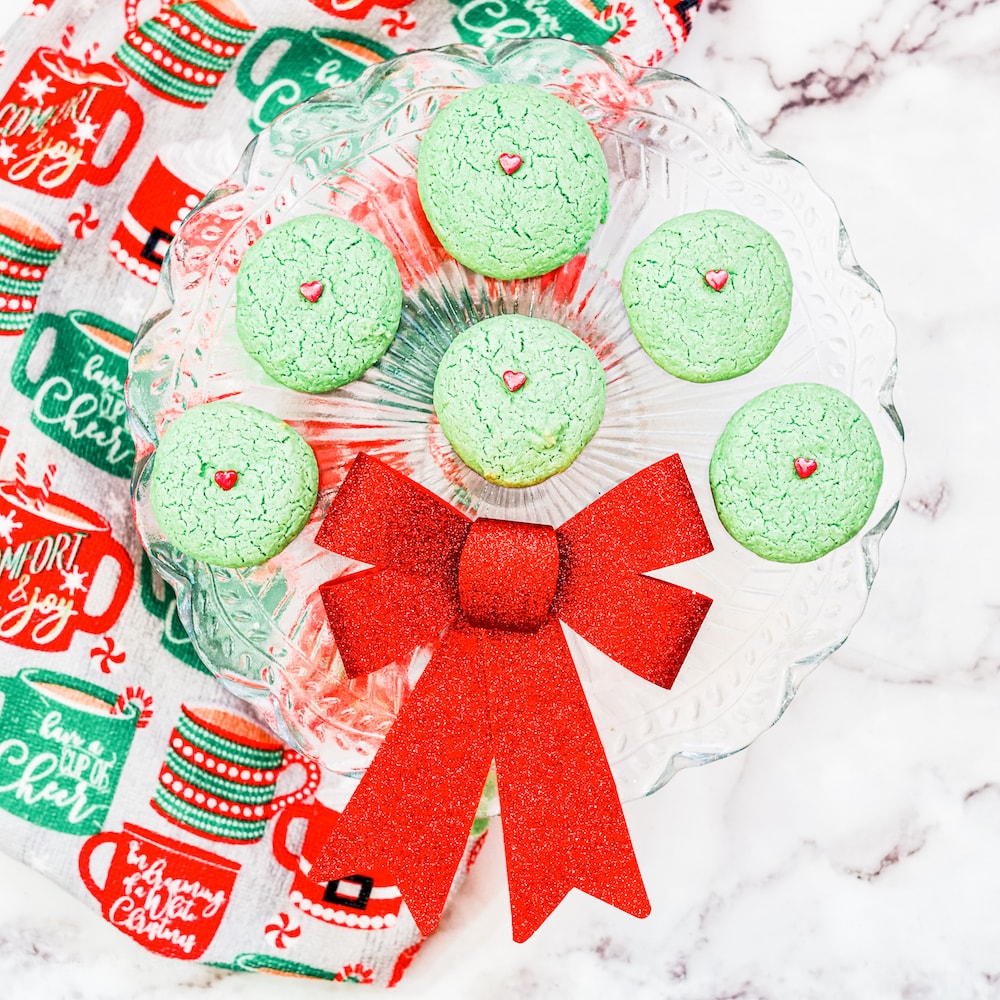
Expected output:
{"points": [[344, 104]]}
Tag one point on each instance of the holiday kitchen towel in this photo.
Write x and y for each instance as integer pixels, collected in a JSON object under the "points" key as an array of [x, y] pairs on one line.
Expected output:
{"points": [[126, 772]]}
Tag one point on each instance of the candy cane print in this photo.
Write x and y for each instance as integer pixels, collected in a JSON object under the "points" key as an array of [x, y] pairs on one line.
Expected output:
{"points": [[140, 698]]}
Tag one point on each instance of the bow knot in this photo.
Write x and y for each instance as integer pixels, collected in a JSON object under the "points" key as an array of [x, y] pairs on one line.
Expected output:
{"points": [[507, 574]]}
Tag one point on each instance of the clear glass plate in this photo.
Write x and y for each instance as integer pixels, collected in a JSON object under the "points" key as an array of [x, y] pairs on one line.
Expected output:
{"points": [[671, 148]]}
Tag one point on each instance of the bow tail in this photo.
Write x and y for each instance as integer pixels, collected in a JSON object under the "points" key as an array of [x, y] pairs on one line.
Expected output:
{"points": [[574, 835], [412, 812]]}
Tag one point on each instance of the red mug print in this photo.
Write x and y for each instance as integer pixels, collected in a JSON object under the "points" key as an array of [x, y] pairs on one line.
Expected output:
{"points": [[53, 120], [50, 551], [160, 204], [366, 902], [168, 896]]}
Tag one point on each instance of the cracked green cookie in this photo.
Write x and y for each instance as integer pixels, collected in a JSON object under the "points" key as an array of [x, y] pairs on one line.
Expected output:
{"points": [[518, 398], [231, 484], [796, 472], [318, 302], [512, 180], [708, 295]]}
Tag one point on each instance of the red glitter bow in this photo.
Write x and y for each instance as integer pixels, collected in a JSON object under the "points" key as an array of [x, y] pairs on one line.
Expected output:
{"points": [[501, 684]]}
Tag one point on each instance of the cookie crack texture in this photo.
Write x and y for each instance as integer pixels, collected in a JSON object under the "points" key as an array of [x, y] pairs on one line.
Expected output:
{"points": [[688, 328], [763, 502], [519, 438], [317, 346], [267, 507], [525, 223]]}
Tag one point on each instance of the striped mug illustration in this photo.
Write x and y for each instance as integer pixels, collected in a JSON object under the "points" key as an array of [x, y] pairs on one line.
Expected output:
{"points": [[182, 53], [27, 251], [219, 778]]}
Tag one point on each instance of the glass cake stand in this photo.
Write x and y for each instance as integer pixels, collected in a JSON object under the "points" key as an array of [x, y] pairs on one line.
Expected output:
{"points": [[671, 148]]}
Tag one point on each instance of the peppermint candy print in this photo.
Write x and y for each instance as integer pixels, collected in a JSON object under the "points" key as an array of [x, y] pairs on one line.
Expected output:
{"points": [[83, 221], [283, 928], [107, 656]]}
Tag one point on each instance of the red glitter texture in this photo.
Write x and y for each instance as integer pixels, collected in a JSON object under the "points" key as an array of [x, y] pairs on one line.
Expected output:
{"points": [[501, 684]]}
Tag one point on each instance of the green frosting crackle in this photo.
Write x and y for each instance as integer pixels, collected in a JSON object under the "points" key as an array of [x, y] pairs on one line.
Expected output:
{"points": [[771, 508], [686, 326], [528, 221], [316, 346], [268, 501], [519, 436]]}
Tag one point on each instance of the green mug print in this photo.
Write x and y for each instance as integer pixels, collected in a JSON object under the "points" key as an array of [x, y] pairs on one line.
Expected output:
{"points": [[79, 396], [309, 61], [61, 751], [489, 22], [158, 599], [255, 962]]}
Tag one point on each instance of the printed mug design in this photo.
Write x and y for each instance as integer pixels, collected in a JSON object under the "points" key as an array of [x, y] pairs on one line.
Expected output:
{"points": [[309, 61], [220, 775], [167, 895], [489, 22], [62, 750], [158, 599], [160, 204], [253, 962], [79, 397], [183, 52], [26, 253], [367, 902], [50, 550], [53, 120], [357, 10]]}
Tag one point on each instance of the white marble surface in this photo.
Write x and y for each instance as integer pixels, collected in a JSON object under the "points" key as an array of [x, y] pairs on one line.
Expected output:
{"points": [[852, 851]]}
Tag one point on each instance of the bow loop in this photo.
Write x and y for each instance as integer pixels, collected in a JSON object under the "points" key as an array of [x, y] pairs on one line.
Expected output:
{"points": [[649, 521], [645, 625], [364, 613], [381, 517]]}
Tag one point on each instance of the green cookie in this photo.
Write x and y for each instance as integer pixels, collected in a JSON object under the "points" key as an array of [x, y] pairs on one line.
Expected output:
{"points": [[318, 301], [688, 327], [518, 398], [796, 472], [504, 218], [232, 485]]}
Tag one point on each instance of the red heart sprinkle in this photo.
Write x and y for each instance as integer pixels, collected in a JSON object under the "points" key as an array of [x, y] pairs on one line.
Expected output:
{"points": [[311, 290], [514, 380], [716, 279], [226, 479], [510, 162], [805, 467]]}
